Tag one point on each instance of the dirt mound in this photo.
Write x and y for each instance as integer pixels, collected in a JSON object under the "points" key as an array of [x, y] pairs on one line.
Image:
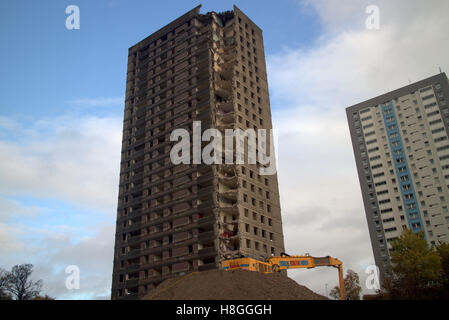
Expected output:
{"points": [[232, 285]]}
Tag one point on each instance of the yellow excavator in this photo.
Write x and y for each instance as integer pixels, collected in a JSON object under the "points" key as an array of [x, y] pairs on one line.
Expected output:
{"points": [[285, 262]]}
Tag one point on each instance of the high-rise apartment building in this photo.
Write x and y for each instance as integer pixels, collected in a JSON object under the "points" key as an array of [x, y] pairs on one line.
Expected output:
{"points": [[401, 147], [173, 219]]}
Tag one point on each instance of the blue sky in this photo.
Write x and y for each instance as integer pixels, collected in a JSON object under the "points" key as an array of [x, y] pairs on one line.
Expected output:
{"points": [[61, 117], [48, 65]]}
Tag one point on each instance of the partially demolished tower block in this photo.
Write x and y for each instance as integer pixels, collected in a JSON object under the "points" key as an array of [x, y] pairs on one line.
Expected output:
{"points": [[173, 219]]}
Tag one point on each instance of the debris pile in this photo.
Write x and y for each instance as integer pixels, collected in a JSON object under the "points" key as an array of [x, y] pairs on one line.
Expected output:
{"points": [[231, 285]]}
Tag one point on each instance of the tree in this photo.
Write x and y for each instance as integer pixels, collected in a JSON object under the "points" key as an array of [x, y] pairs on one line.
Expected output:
{"points": [[19, 284], [3, 294], [416, 268], [443, 252], [352, 287]]}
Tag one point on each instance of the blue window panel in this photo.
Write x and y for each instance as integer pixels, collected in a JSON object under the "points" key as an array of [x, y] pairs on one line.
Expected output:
{"points": [[400, 162]]}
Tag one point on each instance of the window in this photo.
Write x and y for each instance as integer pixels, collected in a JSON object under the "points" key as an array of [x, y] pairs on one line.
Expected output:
{"points": [[409, 196], [416, 225], [428, 97]]}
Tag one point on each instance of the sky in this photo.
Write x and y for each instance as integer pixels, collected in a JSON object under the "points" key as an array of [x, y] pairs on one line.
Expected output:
{"points": [[61, 117]]}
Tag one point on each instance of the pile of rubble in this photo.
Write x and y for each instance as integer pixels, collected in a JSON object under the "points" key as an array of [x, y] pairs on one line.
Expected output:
{"points": [[232, 285]]}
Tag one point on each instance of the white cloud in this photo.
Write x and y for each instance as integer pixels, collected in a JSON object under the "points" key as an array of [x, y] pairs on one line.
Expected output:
{"points": [[8, 241], [357, 63], [10, 209], [93, 256], [310, 88], [51, 251], [70, 159], [74, 161]]}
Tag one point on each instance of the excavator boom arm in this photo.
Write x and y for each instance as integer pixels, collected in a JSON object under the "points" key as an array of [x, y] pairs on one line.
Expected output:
{"points": [[285, 262]]}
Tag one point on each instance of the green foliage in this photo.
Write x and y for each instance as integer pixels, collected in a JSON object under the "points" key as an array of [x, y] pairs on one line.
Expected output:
{"points": [[352, 287], [413, 258], [443, 252], [416, 268]]}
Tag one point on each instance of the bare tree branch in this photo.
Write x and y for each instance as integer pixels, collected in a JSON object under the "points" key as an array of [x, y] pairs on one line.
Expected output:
{"points": [[19, 284]]}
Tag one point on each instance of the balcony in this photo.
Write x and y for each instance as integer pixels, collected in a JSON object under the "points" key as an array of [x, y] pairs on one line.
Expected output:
{"points": [[132, 282], [135, 213], [133, 267], [227, 170], [130, 296], [206, 221], [134, 253], [225, 119], [226, 69], [228, 181], [205, 177], [228, 207], [229, 197], [229, 41], [134, 240], [223, 127], [224, 91], [137, 176], [225, 107], [207, 266], [223, 84], [228, 54], [138, 153], [205, 205], [205, 190], [206, 252], [133, 227], [206, 236]]}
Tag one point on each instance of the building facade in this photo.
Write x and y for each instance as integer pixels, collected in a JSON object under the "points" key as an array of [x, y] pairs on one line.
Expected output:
{"points": [[401, 147], [173, 219]]}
